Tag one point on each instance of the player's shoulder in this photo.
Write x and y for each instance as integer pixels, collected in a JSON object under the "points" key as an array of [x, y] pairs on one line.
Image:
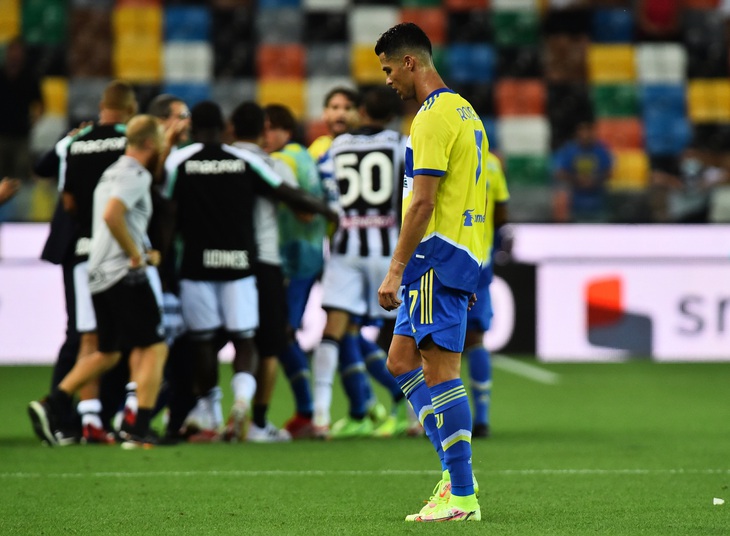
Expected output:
{"points": [[320, 146]]}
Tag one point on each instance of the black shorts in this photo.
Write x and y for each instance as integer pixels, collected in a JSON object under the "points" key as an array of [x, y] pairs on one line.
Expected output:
{"points": [[128, 316], [271, 333]]}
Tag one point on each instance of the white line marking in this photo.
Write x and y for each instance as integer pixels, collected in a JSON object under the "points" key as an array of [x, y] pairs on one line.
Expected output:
{"points": [[307, 473], [520, 368]]}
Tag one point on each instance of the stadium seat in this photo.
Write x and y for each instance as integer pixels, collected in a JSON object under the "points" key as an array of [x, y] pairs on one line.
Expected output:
{"points": [[10, 21], [230, 92], [314, 129], [517, 5], [707, 61], [524, 136], [281, 91], [469, 26], [324, 59], [519, 97], [481, 97], [90, 42], [431, 20], [140, 63], [611, 63], [317, 88], [44, 22], [145, 93], [277, 4], [668, 99], [84, 95], [519, 62], [712, 136], [709, 100], [130, 24], [187, 23], [365, 66], [565, 58], [420, 3], [276, 26], [234, 54], [490, 127], [567, 105], [666, 134], [191, 93], [366, 23], [188, 61], [55, 95], [471, 63], [527, 170], [236, 61], [325, 27], [615, 100], [464, 5], [280, 61], [630, 170], [612, 26], [621, 133], [325, 5], [661, 63], [702, 27], [515, 27], [103, 5]]}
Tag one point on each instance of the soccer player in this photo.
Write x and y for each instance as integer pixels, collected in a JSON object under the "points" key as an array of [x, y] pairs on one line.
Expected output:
{"points": [[340, 114], [212, 187], [479, 317], [437, 260], [125, 305], [366, 164], [88, 154]]}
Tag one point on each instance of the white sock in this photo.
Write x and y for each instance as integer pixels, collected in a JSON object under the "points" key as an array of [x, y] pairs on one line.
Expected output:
{"points": [[214, 396], [89, 411], [324, 366], [130, 402], [244, 387]]}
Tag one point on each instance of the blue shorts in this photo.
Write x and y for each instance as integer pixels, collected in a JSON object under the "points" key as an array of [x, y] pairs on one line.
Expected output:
{"points": [[297, 295], [429, 308], [479, 318]]}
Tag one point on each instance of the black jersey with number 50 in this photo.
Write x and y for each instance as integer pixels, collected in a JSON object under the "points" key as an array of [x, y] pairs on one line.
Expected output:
{"points": [[367, 166]]}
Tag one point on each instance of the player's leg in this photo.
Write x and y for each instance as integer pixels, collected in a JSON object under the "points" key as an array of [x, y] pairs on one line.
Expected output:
{"points": [[239, 304], [295, 362], [324, 365]]}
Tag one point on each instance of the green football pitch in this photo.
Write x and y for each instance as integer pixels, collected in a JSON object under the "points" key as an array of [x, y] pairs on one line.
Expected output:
{"points": [[614, 449]]}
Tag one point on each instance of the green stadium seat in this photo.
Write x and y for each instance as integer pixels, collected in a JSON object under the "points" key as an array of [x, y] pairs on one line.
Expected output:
{"points": [[527, 170], [615, 100], [515, 27]]}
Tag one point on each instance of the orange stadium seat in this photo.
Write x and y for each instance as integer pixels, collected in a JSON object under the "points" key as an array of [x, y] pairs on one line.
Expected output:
{"points": [[431, 20], [280, 61], [466, 5], [315, 129], [520, 97], [621, 132]]}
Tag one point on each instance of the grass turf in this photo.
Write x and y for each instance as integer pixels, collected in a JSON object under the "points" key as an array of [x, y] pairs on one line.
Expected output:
{"points": [[614, 449]]}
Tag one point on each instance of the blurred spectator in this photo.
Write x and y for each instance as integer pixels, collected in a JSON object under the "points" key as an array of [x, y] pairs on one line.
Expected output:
{"points": [[581, 169], [658, 20], [21, 104], [8, 188], [681, 193]]}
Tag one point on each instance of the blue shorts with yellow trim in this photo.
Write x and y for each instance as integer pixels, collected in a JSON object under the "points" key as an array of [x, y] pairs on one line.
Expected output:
{"points": [[479, 317], [430, 308]]}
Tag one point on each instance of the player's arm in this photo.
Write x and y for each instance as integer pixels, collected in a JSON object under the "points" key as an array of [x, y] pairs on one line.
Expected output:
{"points": [[415, 223], [299, 200]]}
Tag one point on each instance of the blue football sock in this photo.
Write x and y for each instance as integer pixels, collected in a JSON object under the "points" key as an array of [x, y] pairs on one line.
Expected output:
{"points": [[296, 367], [414, 387], [375, 361], [480, 374], [354, 379], [453, 421]]}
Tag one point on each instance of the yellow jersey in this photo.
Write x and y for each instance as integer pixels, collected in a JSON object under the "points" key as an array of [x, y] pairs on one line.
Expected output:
{"points": [[447, 140], [497, 193], [320, 146]]}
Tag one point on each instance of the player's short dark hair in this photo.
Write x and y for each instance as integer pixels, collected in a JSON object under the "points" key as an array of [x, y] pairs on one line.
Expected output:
{"points": [[280, 116], [403, 38], [349, 93], [248, 120], [381, 103], [161, 105], [206, 115]]}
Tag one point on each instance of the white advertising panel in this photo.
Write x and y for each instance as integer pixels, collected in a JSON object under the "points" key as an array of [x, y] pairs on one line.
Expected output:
{"points": [[613, 310]]}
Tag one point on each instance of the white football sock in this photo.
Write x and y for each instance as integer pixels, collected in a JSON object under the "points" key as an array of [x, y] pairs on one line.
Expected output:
{"points": [[244, 387], [324, 366]]}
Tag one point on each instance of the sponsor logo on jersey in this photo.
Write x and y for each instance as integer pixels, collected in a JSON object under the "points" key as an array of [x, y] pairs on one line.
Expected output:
{"points": [[222, 258], [98, 146], [470, 219], [214, 167]]}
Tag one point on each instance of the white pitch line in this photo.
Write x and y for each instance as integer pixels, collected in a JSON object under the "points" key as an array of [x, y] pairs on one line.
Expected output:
{"points": [[308, 473], [520, 368]]}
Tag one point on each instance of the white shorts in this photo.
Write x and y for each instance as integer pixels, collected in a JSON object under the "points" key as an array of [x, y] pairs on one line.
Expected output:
{"points": [[351, 284], [209, 305], [84, 308]]}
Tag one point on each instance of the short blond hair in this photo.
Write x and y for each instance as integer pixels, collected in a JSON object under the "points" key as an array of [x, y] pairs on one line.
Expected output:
{"points": [[141, 128], [119, 95]]}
